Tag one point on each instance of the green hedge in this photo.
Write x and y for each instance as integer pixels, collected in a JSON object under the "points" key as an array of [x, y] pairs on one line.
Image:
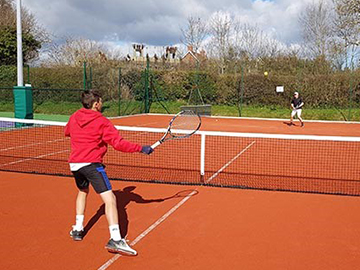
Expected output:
{"points": [[329, 90]]}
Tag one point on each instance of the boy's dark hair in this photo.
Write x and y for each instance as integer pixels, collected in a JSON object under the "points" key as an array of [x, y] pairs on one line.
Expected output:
{"points": [[89, 97]]}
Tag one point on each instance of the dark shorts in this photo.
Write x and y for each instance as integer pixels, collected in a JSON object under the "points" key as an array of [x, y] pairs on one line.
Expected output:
{"points": [[94, 174]]}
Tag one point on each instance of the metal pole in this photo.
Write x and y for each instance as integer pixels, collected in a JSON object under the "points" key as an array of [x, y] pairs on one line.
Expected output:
{"points": [[198, 82], [84, 77], [20, 78], [350, 95], [147, 107], [28, 74], [90, 81], [241, 89], [119, 92]]}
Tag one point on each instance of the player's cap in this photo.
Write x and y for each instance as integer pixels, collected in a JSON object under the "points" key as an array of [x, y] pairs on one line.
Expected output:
{"points": [[296, 93]]}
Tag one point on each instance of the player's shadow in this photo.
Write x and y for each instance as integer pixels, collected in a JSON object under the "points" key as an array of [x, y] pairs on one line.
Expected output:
{"points": [[123, 198], [289, 124]]}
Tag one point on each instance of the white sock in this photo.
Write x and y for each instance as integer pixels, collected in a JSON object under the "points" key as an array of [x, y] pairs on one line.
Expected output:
{"points": [[115, 232], [79, 223]]}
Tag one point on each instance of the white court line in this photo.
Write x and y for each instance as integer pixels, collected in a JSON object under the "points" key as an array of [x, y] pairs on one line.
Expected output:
{"points": [[28, 145], [231, 161], [148, 230], [27, 159], [172, 210]]}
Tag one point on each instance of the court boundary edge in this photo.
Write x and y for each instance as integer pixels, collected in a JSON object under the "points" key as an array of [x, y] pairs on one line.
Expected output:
{"points": [[253, 118]]}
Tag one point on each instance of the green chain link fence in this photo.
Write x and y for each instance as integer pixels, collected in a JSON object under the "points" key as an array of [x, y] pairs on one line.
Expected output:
{"points": [[129, 88]]}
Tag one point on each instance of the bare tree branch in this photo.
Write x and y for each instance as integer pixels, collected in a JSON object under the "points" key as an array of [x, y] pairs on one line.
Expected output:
{"points": [[316, 23], [194, 33], [75, 51]]}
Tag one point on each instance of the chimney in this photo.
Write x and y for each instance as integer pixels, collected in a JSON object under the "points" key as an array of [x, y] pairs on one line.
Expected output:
{"points": [[190, 48]]}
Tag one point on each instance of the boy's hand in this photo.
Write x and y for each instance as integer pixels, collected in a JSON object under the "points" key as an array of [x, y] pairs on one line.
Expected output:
{"points": [[147, 150]]}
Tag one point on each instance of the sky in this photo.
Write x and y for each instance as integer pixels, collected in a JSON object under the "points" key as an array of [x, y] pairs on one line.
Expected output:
{"points": [[159, 22]]}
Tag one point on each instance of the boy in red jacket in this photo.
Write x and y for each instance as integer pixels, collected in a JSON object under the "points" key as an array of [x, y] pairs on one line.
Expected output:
{"points": [[90, 133]]}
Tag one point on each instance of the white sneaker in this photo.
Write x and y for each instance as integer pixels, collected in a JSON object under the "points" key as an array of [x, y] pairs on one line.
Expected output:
{"points": [[120, 246]]}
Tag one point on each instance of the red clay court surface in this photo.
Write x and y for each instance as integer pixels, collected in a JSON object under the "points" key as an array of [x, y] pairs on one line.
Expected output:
{"points": [[250, 125], [217, 228]]}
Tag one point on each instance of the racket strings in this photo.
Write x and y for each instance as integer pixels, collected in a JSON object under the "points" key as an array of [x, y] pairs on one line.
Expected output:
{"points": [[188, 120]]}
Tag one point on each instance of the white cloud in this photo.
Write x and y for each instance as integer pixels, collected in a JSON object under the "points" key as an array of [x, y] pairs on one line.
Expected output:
{"points": [[158, 22]]}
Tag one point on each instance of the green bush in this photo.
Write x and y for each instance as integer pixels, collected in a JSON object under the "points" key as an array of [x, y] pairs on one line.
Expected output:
{"points": [[175, 84], [8, 76]]}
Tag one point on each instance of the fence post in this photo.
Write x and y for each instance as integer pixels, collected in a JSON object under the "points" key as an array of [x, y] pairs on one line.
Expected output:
{"points": [[90, 80], [241, 88], [147, 107], [350, 95], [84, 75], [119, 92]]}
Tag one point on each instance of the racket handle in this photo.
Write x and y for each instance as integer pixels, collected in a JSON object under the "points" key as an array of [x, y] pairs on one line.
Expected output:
{"points": [[155, 144]]}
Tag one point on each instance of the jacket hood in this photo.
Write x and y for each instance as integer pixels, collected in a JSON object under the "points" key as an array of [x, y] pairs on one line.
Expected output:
{"points": [[85, 116]]}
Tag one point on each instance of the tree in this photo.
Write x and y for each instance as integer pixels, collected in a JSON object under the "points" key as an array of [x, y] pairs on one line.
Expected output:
{"points": [[316, 23], [254, 42], [220, 30], [77, 50], [194, 33], [348, 20], [33, 34], [338, 54], [29, 23], [347, 27], [8, 48], [220, 47]]}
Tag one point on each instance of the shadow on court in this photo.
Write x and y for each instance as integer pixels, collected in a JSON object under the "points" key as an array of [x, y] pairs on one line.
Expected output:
{"points": [[123, 198], [289, 124]]}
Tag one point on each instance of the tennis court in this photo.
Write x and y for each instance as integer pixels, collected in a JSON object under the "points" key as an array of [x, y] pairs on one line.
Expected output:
{"points": [[212, 227]]}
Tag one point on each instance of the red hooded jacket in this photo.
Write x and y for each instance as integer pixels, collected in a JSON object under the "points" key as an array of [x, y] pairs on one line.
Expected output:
{"points": [[90, 133]]}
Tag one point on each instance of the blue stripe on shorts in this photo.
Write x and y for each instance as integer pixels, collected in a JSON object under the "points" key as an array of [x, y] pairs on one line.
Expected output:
{"points": [[104, 175]]}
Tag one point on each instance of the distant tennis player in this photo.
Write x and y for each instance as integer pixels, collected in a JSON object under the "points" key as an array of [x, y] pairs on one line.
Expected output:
{"points": [[296, 106], [90, 133]]}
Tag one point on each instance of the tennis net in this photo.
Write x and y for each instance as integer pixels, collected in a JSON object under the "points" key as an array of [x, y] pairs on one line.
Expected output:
{"points": [[299, 163]]}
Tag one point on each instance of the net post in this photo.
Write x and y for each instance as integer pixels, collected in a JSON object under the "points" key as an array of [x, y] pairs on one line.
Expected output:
{"points": [[202, 158]]}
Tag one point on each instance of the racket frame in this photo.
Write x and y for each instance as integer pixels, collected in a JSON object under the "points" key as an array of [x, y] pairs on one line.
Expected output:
{"points": [[173, 137]]}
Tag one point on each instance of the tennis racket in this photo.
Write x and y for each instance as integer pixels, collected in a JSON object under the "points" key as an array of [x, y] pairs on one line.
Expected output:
{"points": [[181, 126]]}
